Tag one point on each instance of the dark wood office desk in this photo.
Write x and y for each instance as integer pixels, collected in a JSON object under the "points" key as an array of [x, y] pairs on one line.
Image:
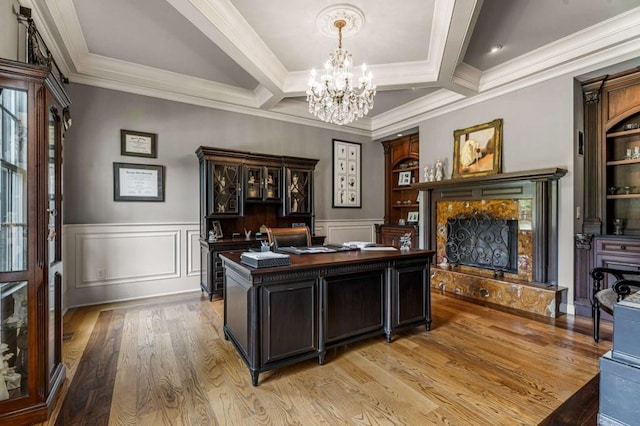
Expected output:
{"points": [[283, 315]]}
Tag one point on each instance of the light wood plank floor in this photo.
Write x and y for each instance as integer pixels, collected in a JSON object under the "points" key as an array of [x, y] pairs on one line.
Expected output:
{"points": [[164, 361]]}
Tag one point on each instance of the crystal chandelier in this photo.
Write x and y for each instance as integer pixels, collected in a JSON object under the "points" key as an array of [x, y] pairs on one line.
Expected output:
{"points": [[334, 98]]}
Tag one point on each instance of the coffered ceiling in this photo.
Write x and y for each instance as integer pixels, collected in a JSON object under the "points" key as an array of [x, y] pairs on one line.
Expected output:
{"points": [[254, 57]]}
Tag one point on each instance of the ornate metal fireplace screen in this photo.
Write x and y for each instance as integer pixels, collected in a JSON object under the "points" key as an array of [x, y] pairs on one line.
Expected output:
{"points": [[484, 241]]}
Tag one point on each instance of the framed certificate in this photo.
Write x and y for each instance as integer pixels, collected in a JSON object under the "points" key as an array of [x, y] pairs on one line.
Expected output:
{"points": [[138, 182], [138, 144]]}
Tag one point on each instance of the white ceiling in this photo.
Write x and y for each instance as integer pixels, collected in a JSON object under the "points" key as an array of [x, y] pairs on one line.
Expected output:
{"points": [[254, 57]]}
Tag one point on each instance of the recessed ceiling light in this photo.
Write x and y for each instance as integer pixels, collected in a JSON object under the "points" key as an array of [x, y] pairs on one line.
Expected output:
{"points": [[399, 134], [495, 48]]}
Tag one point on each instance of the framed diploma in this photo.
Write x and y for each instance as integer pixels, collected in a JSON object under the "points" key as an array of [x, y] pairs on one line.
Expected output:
{"points": [[138, 144], [138, 182]]}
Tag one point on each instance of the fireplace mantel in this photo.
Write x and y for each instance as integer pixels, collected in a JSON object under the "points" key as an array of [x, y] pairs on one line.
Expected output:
{"points": [[528, 175], [540, 186]]}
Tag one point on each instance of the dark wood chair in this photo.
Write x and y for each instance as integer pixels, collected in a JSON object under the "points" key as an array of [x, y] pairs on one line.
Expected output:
{"points": [[289, 237], [626, 283]]}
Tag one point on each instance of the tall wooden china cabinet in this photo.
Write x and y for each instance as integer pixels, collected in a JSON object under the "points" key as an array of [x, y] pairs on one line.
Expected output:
{"points": [[401, 166], [610, 229], [33, 113], [239, 192]]}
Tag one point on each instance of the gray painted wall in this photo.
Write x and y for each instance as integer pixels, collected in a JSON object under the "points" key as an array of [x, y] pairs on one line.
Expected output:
{"points": [[92, 145], [9, 32], [538, 132]]}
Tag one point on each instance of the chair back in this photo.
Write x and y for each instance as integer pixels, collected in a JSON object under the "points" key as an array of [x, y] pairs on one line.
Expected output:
{"points": [[289, 237]]}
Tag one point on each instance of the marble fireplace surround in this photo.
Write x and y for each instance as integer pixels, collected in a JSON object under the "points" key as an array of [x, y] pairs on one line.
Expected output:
{"points": [[531, 197]]}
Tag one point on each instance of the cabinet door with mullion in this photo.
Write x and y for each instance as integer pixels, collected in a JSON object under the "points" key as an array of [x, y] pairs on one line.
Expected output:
{"points": [[299, 192], [263, 183], [226, 189]]}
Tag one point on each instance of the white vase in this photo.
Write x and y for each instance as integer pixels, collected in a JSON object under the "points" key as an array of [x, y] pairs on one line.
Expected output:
{"points": [[4, 393]]}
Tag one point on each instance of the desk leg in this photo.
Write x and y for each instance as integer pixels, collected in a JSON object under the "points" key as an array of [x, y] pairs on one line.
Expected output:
{"points": [[254, 377]]}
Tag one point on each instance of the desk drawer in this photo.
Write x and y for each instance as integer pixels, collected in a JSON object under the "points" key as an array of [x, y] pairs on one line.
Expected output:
{"points": [[618, 246]]}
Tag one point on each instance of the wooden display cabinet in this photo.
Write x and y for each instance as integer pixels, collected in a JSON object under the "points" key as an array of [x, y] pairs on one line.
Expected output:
{"points": [[33, 114], [259, 189], [401, 164], [610, 231]]}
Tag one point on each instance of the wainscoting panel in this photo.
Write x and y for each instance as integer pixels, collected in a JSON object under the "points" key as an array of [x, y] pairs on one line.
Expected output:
{"points": [[113, 262], [193, 253], [118, 258], [339, 231]]}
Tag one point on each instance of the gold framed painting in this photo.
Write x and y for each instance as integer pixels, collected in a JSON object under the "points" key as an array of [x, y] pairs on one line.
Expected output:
{"points": [[477, 150]]}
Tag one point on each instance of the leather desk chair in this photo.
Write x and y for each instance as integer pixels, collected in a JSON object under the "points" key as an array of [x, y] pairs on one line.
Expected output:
{"points": [[627, 282], [289, 237]]}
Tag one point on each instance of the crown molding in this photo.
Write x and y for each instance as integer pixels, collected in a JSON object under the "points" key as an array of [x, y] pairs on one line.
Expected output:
{"points": [[362, 128], [66, 22], [585, 43], [603, 44], [131, 74], [221, 22]]}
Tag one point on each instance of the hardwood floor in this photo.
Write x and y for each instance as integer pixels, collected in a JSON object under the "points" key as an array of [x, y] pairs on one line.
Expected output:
{"points": [[165, 361]]}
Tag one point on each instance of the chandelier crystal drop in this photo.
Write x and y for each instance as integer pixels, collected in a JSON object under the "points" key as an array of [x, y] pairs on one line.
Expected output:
{"points": [[334, 98]]}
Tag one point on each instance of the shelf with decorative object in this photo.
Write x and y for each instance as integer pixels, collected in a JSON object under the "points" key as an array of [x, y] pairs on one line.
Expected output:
{"points": [[401, 163], [610, 186]]}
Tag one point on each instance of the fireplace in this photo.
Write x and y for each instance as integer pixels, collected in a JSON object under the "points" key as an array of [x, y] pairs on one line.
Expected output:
{"points": [[495, 238], [482, 240]]}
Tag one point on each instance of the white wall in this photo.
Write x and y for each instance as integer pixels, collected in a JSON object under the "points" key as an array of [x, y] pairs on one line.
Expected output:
{"points": [[538, 133]]}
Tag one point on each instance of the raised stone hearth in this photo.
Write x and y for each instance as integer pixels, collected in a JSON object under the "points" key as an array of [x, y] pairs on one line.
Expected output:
{"points": [[530, 198], [540, 299]]}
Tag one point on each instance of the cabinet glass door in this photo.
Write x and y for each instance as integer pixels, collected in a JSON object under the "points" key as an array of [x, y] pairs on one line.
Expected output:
{"points": [[254, 181], [298, 191], [13, 181], [272, 184], [54, 246], [226, 190], [14, 336]]}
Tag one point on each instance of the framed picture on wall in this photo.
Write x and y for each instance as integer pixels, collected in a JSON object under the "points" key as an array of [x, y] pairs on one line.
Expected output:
{"points": [[477, 150], [138, 182], [347, 174], [138, 144]]}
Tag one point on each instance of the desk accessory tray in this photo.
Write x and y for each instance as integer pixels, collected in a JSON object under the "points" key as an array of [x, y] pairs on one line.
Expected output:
{"points": [[266, 259]]}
